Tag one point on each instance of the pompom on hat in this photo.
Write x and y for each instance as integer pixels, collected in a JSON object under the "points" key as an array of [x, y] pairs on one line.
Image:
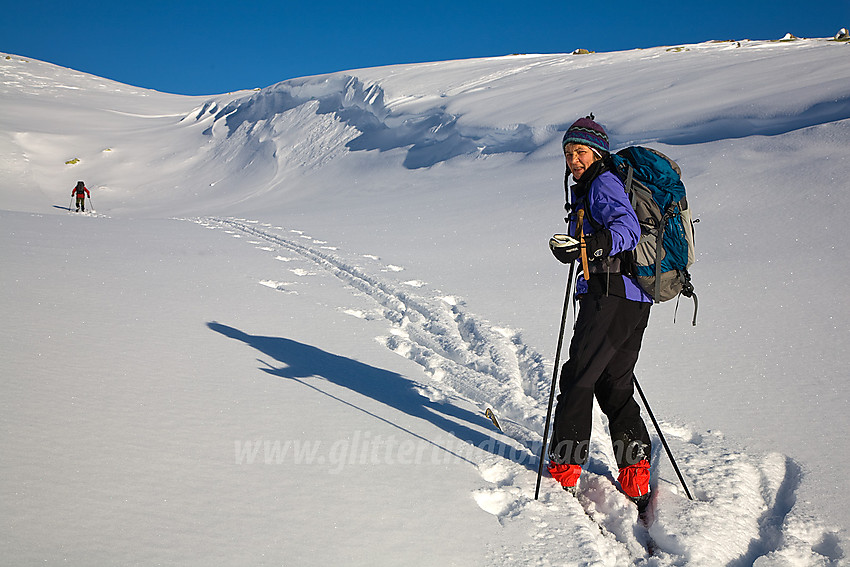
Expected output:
{"points": [[588, 133]]}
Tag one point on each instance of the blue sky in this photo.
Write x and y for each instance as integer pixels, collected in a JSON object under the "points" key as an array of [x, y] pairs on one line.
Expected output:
{"points": [[212, 46]]}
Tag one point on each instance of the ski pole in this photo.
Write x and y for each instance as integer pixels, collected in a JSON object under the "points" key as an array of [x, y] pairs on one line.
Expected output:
{"points": [[91, 205], [554, 379], [663, 440]]}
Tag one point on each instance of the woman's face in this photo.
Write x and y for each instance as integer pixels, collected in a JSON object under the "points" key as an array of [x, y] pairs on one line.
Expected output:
{"points": [[579, 158]]}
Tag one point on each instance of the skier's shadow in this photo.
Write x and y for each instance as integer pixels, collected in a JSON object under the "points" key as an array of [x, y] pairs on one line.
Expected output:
{"points": [[308, 365]]}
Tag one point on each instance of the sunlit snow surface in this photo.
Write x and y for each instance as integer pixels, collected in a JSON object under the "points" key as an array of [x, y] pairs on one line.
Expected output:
{"points": [[275, 339]]}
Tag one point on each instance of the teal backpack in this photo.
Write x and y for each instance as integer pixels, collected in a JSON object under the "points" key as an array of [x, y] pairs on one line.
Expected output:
{"points": [[665, 250]]}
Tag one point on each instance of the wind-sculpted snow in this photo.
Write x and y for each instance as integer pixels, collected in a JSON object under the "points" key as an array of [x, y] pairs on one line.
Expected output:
{"points": [[430, 136], [434, 127], [745, 121], [266, 140], [744, 509], [436, 136], [347, 97]]}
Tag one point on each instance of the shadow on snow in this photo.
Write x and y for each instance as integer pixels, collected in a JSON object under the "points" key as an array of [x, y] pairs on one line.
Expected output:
{"points": [[309, 365]]}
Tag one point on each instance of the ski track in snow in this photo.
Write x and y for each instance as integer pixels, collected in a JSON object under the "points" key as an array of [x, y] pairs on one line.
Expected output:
{"points": [[744, 508]]}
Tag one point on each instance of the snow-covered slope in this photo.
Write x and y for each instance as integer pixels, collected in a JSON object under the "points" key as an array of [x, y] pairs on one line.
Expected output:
{"points": [[207, 368]]}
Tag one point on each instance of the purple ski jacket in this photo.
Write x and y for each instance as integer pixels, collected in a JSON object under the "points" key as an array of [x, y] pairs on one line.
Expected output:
{"points": [[609, 206]]}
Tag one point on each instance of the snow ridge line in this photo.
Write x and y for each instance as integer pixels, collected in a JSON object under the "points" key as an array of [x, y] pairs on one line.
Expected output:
{"points": [[491, 367]]}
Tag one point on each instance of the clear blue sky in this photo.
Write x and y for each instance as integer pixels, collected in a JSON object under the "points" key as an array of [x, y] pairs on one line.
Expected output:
{"points": [[211, 46]]}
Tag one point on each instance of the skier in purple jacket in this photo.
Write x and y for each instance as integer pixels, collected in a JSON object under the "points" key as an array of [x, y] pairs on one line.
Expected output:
{"points": [[613, 314]]}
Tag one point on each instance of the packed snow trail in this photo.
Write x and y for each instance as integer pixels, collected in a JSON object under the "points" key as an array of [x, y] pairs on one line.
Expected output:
{"points": [[744, 508], [489, 366]]}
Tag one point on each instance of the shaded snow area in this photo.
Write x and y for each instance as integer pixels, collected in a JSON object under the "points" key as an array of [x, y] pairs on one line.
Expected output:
{"points": [[275, 336]]}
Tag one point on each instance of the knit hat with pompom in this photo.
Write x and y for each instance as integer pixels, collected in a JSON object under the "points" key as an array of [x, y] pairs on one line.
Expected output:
{"points": [[588, 133]]}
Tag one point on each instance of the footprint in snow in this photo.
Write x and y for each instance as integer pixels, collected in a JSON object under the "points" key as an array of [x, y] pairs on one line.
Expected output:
{"points": [[360, 314], [302, 272], [278, 286], [498, 473], [498, 502]]}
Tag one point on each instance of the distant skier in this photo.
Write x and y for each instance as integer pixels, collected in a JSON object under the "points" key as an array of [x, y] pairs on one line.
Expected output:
{"points": [[80, 191], [613, 314]]}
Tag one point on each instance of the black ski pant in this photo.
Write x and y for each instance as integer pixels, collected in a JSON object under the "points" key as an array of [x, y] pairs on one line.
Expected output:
{"points": [[603, 354]]}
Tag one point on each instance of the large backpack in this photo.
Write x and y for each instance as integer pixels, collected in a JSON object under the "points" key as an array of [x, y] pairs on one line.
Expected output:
{"points": [[665, 250]]}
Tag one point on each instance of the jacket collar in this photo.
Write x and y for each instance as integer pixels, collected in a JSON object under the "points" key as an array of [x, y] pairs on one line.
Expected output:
{"points": [[596, 169]]}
